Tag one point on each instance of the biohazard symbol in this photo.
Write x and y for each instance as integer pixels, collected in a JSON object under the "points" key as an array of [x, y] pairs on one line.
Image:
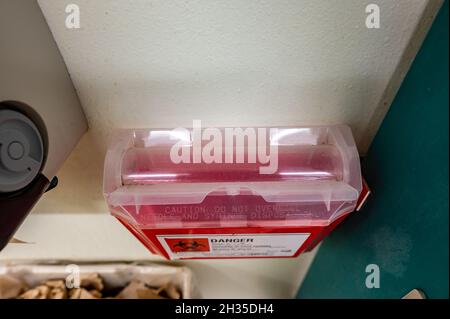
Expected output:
{"points": [[186, 245], [190, 245]]}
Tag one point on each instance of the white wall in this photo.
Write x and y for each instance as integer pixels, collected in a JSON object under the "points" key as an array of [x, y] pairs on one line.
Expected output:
{"points": [[252, 62]]}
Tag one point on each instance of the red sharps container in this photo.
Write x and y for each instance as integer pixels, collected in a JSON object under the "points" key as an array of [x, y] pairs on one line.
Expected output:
{"points": [[232, 192]]}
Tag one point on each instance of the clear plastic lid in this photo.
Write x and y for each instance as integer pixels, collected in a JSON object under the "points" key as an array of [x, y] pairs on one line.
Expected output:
{"points": [[232, 177]]}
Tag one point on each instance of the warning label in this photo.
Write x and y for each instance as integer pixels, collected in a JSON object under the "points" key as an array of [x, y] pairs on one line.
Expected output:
{"points": [[234, 245]]}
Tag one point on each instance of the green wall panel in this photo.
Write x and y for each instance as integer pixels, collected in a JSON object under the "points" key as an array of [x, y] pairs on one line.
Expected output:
{"points": [[403, 228]]}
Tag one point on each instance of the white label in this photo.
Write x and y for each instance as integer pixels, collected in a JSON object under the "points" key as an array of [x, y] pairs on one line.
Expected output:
{"points": [[235, 245]]}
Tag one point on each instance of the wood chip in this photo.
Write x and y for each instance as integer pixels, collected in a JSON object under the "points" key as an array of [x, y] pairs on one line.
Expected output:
{"points": [[91, 287], [56, 283], [80, 293], [11, 287], [95, 293], [57, 293], [148, 294], [130, 291], [91, 281], [172, 292], [40, 292]]}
